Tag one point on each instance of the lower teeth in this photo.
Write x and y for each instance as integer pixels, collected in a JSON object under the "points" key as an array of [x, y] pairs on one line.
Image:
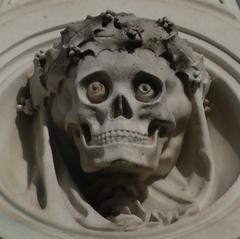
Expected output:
{"points": [[119, 139]]}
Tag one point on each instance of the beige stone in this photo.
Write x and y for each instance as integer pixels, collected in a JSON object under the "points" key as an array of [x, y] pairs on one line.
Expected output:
{"points": [[40, 216]]}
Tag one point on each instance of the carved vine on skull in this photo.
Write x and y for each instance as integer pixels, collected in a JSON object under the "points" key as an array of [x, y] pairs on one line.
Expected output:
{"points": [[117, 93]]}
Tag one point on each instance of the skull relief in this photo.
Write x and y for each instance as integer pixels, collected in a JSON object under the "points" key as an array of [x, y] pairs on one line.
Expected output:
{"points": [[118, 93], [123, 115]]}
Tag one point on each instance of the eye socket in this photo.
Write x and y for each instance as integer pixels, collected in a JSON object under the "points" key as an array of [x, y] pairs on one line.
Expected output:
{"points": [[96, 92], [144, 92], [147, 87]]}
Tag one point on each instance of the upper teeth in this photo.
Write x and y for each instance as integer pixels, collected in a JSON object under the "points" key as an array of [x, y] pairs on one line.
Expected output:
{"points": [[120, 136]]}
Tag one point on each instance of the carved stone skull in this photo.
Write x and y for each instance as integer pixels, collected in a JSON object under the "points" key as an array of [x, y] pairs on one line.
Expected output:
{"points": [[117, 91], [127, 110]]}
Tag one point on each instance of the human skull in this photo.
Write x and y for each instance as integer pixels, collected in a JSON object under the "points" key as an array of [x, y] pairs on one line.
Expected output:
{"points": [[125, 115]]}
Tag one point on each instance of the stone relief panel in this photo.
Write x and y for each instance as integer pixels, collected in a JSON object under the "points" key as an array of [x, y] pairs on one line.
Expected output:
{"points": [[120, 127], [123, 101]]}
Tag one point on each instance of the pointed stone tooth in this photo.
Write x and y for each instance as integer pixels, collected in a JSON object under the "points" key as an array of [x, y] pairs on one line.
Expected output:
{"points": [[134, 139], [118, 139]]}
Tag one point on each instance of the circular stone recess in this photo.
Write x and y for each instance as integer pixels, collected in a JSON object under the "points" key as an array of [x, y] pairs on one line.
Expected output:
{"points": [[222, 62]]}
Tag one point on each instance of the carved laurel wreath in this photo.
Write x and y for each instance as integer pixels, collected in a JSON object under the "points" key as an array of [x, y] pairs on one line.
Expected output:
{"points": [[113, 32]]}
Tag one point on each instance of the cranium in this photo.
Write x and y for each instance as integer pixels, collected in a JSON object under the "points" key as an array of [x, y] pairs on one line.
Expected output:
{"points": [[118, 90], [121, 114]]}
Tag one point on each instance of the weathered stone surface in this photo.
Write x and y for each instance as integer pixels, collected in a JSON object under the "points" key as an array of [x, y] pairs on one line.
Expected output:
{"points": [[47, 183]]}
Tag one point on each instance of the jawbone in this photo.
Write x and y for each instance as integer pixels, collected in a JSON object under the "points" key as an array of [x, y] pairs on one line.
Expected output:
{"points": [[136, 154]]}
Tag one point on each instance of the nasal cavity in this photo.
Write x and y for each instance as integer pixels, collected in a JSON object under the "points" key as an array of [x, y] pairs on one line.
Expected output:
{"points": [[121, 107]]}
